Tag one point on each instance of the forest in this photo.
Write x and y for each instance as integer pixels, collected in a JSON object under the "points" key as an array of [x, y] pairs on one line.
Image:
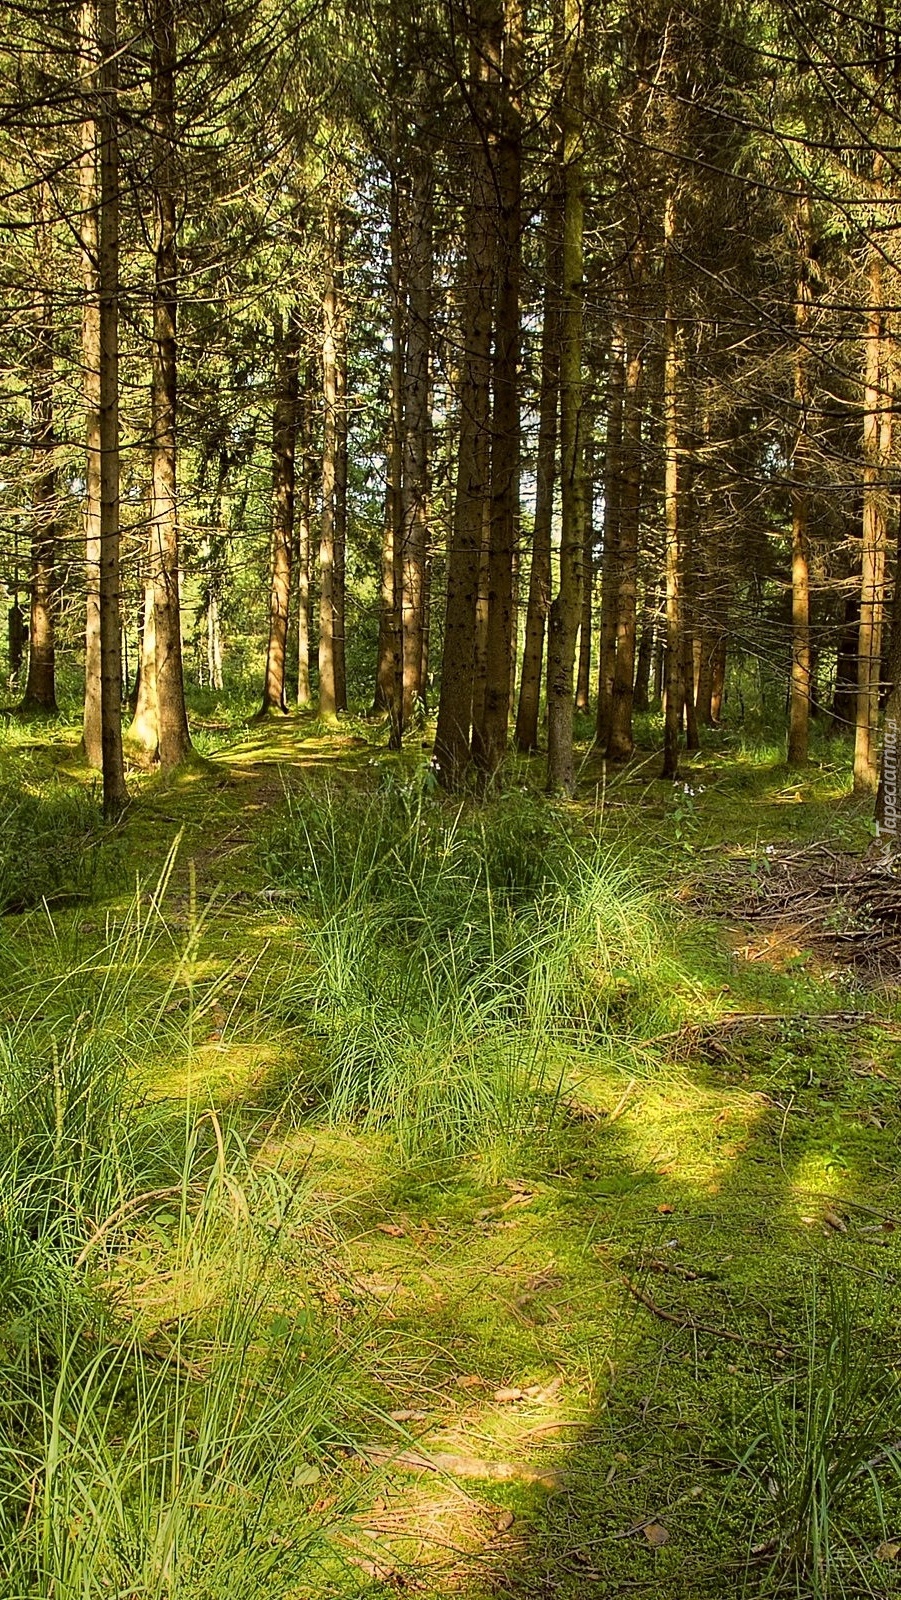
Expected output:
{"points": [[450, 737]]}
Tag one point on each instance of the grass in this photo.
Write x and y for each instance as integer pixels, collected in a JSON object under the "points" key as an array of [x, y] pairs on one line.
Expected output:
{"points": [[374, 1120]]}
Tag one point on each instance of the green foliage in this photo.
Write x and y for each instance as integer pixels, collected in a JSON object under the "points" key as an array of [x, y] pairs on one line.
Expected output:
{"points": [[53, 845], [825, 1459]]}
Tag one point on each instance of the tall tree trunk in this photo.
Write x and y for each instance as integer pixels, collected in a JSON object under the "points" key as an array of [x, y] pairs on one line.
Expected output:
{"points": [[328, 703], [88, 167], [641, 697], [303, 520], [583, 675], [799, 711], [284, 439], [40, 687], [613, 469], [674, 687], [876, 444], [115, 794], [620, 741], [417, 414], [144, 730], [888, 797], [490, 733], [342, 431], [845, 693], [566, 605], [455, 701], [174, 738], [539, 600]]}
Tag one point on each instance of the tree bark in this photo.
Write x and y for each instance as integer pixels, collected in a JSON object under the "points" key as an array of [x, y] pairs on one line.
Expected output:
{"points": [[115, 794], [799, 710], [583, 675], [490, 732], [566, 606], [284, 439], [417, 415], [304, 499], [174, 738], [674, 684], [328, 703], [526, 736], [342, 421], [88, 167], [620, 741], [40, 686], [610, 557], [455, 702], [876, 446]]}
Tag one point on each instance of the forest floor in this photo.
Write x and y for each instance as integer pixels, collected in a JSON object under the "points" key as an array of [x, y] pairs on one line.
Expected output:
{"points": [[588, 1351]]}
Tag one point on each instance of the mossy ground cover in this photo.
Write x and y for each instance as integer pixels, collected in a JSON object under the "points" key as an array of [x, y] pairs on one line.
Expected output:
{"points": [[549, 1337]]}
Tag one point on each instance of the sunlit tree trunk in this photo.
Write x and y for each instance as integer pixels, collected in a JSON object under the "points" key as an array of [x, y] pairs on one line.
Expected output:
{"points": [[583, 675], [876, 445], [417, 420], [284, 436], [674, 665], [303, 517], [88, 167], [327, 686], [115, 795], [799, 710], [144, 729], [40, 687], [545, 473], [610, 549], [566, 605], [620, 741], [342, 439], [174, 739]]}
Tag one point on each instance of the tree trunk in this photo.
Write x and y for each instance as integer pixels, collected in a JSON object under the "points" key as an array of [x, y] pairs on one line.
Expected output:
{"points": [[455, 701], [567, 603], [641, 697], [799, 711], [526, 736], [40, 687], [417, 417], [490, 732], [88, 166], [845, 692], [115, 794], [327, 686], [610, 558], [620, 741], [144, 730], [341, 470], [674, 686], [284, 441], [888, 799], [304, 500], [583, 675], [876, 444], [174, 738]]}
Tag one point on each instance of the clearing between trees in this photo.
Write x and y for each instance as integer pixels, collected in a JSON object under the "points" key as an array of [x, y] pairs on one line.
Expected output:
{"points": [[404, 1194]]}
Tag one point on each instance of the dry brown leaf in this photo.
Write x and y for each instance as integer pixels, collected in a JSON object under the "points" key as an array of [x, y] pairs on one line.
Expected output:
{"points": [[656, 1534], [665, 1211], [834, 1221], [469, 1380], [407, 1416], [888, 1551], [506, 1396], [504, 1520], [392, 1230]]}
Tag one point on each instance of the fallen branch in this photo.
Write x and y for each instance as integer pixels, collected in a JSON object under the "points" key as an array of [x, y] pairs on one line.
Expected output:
{"points": [[680, 1321], [455, 1466]]}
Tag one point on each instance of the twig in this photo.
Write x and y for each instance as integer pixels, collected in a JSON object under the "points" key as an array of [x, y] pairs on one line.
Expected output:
{"points": [[679, 1321]]}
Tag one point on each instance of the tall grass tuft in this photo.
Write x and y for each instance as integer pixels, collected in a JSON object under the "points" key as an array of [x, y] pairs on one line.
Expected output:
{"points": [[445, 955], [824, 1459]]}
